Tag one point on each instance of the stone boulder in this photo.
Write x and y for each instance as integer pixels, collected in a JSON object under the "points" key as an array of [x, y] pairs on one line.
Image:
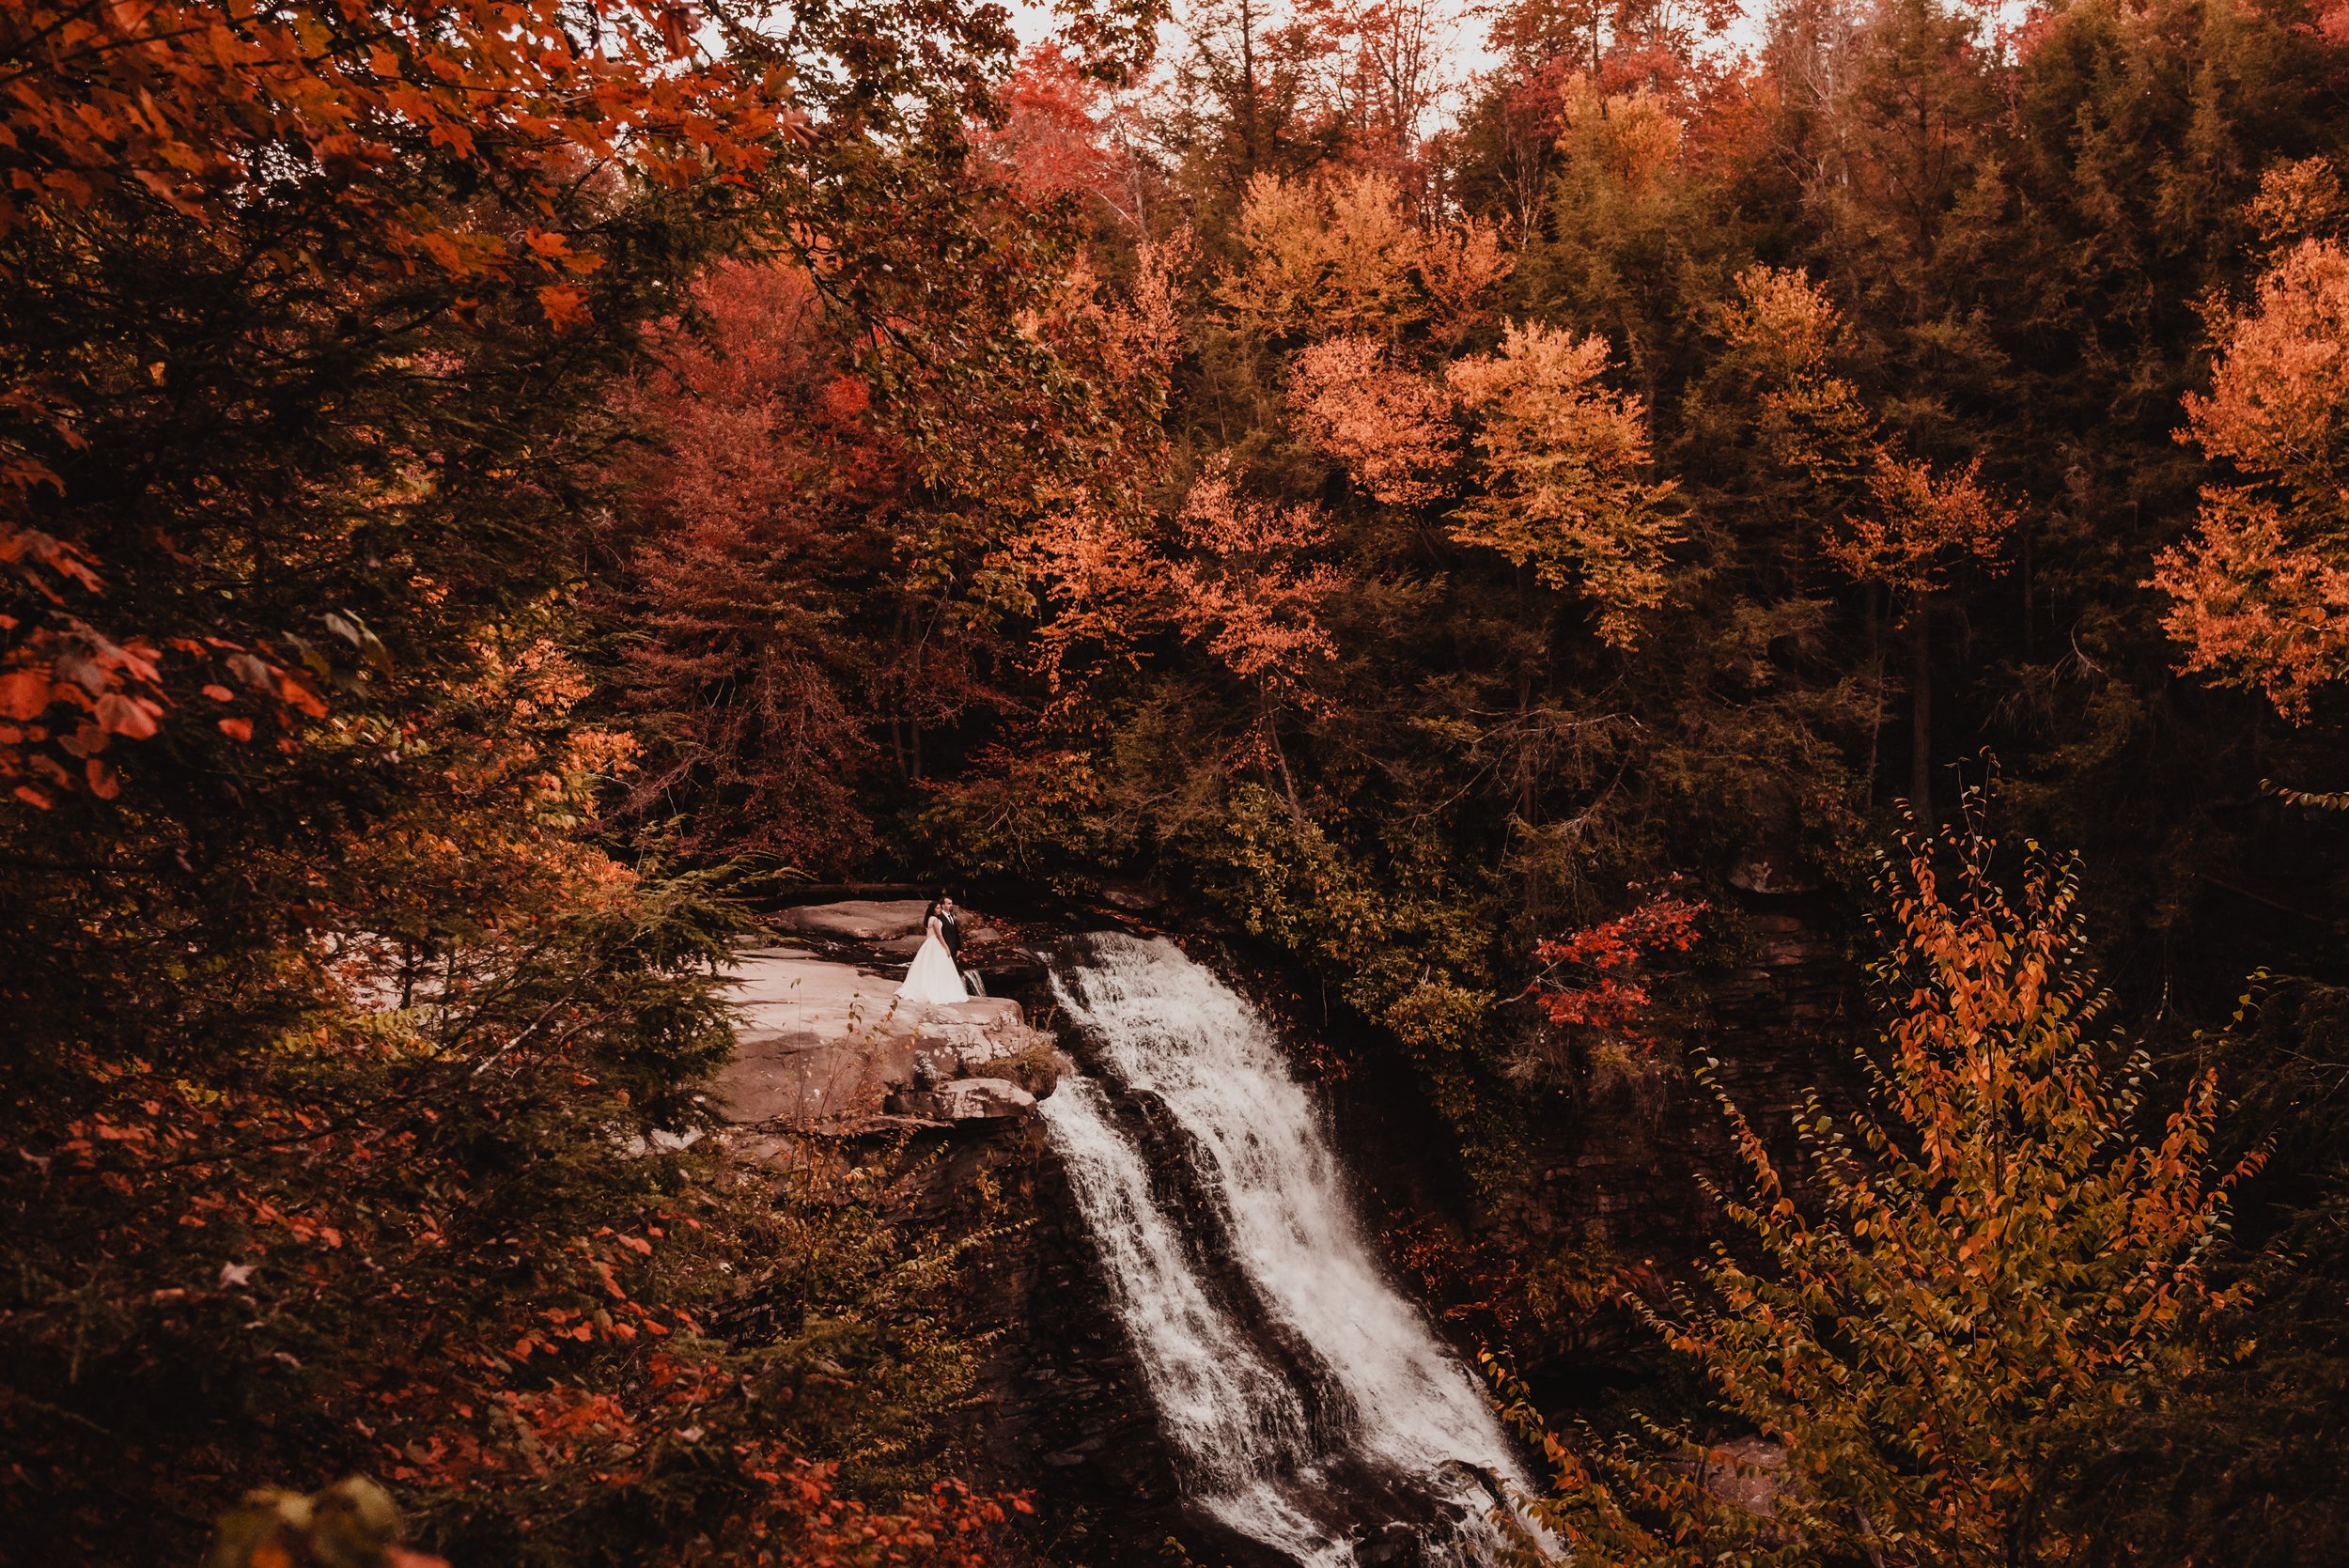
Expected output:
{"points": [[891, 926], [816, 1041], [821, 1043], [969, 1100], [857, 920], [983, 1037]]}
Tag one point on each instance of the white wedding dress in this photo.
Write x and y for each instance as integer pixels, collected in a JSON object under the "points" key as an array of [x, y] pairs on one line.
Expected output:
{"points": [[934, 977]]}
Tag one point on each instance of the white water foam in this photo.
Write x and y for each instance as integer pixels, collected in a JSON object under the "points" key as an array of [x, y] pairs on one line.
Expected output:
{"points": [[1392, 1396], [1236, 1421]]}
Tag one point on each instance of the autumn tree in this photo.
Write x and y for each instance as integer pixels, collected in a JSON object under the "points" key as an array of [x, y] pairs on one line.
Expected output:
{"points": [[754, 692], [1565, 486], [1390, 430], [289, 225], [357, 1049], [1895, 522], [2260, 595], [2009, 1234], [1247, 584]]}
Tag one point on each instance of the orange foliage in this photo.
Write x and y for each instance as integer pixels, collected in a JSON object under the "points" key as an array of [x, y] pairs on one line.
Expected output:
{"points": [[2006, 1234], [2298, 200], [1564, 459], [1919, 524], [1904, 524], [1104, 590], [1390, 430], [1056, 136], [1457, 263], [1634, 137], [2279, 403], [198, 103], [2260, 593], [1340, 256], [1335, 257], [1246, 591], [217, 110], [1146, 322]]}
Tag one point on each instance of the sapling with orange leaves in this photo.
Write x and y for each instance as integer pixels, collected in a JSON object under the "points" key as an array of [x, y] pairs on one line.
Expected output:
{"points": [[2009, 1234]]}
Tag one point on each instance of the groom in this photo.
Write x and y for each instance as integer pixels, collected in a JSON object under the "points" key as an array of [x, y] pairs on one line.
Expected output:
{"points": [[950, 928]]}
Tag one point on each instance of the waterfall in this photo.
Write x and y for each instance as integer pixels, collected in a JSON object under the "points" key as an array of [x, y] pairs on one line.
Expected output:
{"points": [[1313, 1399]]}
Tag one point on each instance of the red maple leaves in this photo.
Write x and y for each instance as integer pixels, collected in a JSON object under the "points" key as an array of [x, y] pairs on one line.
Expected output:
{"points": [[1594, 978]]}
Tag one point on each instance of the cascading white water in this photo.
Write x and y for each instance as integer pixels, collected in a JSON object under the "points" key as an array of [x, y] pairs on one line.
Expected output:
{"points": [[1393, 1399], [1237, 1423]]}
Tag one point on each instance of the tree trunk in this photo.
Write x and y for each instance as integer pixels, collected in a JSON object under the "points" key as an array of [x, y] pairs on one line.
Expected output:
{"points": [[1920, 713]]}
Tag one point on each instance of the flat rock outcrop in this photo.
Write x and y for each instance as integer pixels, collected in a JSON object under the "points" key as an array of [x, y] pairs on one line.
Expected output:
{"points": [[968, 1099], [825, 1043], [890, 926]]}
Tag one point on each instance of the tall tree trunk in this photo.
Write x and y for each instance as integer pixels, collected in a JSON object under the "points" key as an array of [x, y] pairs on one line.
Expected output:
{"points": [[1921, 711], [1875, 676]]}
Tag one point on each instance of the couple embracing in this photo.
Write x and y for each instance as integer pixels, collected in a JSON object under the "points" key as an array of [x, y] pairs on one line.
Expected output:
{"points": [[935, 976]]}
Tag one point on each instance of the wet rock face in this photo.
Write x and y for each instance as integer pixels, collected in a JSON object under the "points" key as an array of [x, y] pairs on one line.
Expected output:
{"points": [[1062, 1409]]}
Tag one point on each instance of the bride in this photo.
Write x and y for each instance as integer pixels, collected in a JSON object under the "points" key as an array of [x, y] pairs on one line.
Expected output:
{"points": [[934, 977]]}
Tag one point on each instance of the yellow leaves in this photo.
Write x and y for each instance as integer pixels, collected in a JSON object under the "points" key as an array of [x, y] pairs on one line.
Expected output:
{"points": [[2298, 200], [1457, 265], [1341, 257], [1564, 460], [2011, 1243], [1783, 320], [1632, 139], [1144, 328], [1333, 255]]}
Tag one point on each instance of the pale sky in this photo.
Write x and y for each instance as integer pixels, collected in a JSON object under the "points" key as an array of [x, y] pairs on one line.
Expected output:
{"points": [[1467, 55]]}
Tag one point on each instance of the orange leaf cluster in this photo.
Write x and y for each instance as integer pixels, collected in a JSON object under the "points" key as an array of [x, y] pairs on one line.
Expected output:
{"points": [[226, 116], [1392, 429], [2260, 595], [1248, 592], [1921, 523], [1904, 523], [200, 104], [2005, 1234]]}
